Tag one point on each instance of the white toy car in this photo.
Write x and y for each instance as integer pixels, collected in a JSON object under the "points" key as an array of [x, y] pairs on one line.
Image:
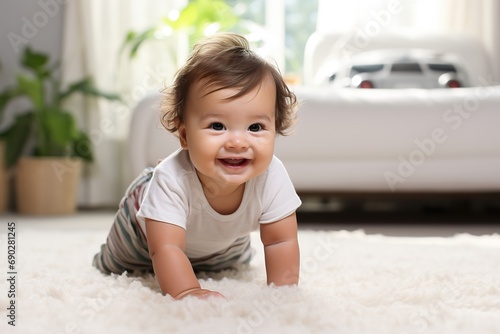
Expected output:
{"points": [[401, 68]]}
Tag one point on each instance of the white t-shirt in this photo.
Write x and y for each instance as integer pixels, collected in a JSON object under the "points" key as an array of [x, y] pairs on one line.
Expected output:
{"points": [[175, 196]]}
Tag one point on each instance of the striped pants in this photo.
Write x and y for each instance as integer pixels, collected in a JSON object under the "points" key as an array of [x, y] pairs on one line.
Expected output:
{"points": [[126, 247]]}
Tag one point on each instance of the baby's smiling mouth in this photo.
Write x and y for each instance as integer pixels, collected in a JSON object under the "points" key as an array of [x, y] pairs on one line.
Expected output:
{"points": [[230, 162]]}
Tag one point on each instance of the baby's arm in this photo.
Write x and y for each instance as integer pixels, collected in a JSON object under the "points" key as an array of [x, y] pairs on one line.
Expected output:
{"points": [[173, 270], [281, 249]]}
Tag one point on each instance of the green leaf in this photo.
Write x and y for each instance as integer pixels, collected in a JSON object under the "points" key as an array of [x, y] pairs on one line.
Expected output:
{"points": [[5, 97], [82, 147], [60, 128], [35, 61], [139, 39], [16, 137], [199, 14], [128, 40], [33, 88], [86, 87], [134, 40], [130, 36]]}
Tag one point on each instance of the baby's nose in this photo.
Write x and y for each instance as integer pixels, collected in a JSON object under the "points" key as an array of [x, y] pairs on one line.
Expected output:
{"points": [[237, 140]]}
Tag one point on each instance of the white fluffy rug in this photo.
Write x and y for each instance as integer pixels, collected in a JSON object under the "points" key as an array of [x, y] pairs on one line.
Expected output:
{"points": [[350, 283]]}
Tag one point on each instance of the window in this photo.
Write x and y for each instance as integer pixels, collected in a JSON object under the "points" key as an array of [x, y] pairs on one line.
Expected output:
{"points": [[442, 67], [300, 23], [356, 69], [406, 67], [289, 24]]}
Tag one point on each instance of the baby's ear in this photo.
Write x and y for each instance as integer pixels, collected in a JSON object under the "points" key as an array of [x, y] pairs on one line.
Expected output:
{"points": [[181, 131]]}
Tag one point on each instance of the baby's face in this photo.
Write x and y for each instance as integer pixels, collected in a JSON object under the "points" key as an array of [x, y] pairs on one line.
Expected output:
{"points": [[229, 141]]}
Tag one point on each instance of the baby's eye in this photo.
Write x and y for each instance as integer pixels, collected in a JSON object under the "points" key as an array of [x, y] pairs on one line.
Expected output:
{"points": [[255, 127], [217, 126]]}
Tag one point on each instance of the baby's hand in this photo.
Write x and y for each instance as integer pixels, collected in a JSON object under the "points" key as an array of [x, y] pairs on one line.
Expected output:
{"points": [[200, 293]]}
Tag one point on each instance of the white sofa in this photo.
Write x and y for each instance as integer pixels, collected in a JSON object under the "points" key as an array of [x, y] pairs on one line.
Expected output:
{"points": [[384, 141]]}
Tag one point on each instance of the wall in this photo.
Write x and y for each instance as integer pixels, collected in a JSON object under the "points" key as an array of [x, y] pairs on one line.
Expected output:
{"points": [[22, 22]]}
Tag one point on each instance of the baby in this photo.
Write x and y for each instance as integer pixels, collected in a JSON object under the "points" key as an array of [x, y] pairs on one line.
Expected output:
{"points": [[195, 210]]}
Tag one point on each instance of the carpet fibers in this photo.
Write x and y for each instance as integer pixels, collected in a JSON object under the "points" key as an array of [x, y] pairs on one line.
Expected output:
{"points": [[350, 283]]}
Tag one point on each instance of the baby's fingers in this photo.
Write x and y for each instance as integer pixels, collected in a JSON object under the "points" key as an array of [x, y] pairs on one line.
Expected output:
{"points": [[205, 294]]}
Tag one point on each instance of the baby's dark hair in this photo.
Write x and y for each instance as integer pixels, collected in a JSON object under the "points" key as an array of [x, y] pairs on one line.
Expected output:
{"points": [[225, 61]]}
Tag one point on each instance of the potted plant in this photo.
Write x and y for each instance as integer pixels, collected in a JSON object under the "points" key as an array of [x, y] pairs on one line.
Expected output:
{"points": [[44, 142]]}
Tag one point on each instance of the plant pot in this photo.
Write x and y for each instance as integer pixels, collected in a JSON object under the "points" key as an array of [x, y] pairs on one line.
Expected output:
{"points": [[47, 186], [4, 180]]}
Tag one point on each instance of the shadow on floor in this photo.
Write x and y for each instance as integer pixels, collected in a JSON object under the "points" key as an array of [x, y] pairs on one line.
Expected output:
{"points": [[403, 215]]}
